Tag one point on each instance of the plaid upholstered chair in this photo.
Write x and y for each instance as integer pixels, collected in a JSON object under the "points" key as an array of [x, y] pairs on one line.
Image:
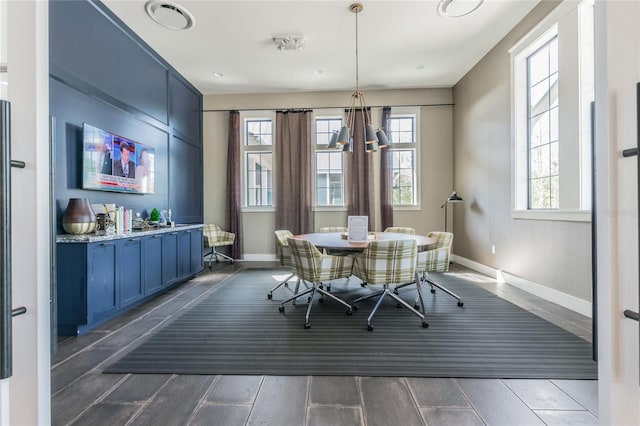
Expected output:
{"points": [[314, 267], [387, 263], [325, 229], [285, 259], [401, 230], [436, 259], [216, 237]]}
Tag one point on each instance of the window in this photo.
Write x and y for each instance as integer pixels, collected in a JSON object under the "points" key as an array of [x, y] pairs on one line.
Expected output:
{"points": [[542, 92], [258, 162], [552, 77], [328, 164], [403, 135]]}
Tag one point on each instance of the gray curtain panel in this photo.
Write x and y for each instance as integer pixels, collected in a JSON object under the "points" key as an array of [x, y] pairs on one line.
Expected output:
{"points": [[234, 194], [386, 180], [294, 183], [359, 173]]}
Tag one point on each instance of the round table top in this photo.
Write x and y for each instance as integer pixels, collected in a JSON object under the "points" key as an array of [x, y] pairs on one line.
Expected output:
{"points": [[334, 240]]}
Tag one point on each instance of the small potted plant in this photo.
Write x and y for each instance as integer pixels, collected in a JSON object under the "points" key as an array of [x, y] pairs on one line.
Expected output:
{"points": [[154, 217]]}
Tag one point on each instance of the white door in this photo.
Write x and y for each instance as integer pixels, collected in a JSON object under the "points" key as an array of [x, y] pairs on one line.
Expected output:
{"points": [[25, 396], [617, 34]]}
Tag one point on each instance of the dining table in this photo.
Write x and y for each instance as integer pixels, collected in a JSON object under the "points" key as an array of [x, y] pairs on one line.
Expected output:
{"points": [[337, 241]]}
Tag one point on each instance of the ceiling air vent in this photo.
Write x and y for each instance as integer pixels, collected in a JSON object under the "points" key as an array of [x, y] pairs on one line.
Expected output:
{"points": [[170, 15]]}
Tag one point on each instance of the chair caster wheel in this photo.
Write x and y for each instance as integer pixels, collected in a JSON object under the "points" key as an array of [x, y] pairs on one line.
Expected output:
{"points": [[281, 308], [269, 296], [416, 307], [395, 292], [320, 286], [307, 325], [425, 325], [329, 289], [433, 291], [461, 304], [286, 284], [363, 284], [349, 312], [370, 327], [355, 307]]}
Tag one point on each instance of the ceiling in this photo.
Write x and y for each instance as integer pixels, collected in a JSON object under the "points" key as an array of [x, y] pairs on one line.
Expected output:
{"points": [[402, 44]]}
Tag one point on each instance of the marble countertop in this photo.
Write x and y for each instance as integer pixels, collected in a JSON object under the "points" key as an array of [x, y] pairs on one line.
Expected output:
{"points": [[96, 237]]}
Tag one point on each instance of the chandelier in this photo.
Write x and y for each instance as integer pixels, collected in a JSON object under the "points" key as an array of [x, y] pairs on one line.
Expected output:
{"points": [[372, 138]]}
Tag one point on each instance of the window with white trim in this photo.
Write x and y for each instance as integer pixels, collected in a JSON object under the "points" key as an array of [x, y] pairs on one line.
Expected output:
{"points": [[402, 133], [329, 166], [552, 78], [258, 161]]}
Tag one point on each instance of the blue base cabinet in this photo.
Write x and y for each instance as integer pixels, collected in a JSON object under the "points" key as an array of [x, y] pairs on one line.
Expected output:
{"points": [[96, 281]]}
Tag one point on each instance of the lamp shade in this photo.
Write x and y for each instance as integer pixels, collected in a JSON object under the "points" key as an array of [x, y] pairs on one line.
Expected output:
{"points": [[454, 198], [370, 135], [343, 136], [333, 141], [371, 147], [348, 148], [383, 141]]}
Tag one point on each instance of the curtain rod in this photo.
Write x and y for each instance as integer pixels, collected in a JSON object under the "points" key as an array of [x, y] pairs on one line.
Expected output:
{"points": [[311, 109]]}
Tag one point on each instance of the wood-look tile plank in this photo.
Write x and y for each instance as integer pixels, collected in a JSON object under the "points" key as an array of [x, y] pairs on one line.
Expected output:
{"points": [[176, 401], [435, 392], [68, 371], [567, 418], [281, 401], [387, 401], [334, 390], [223, 415], [235, 390], [497, 404], [583, 391], [103, 413], [442, 416], [137, 388], [542, 395], [331, 415]]}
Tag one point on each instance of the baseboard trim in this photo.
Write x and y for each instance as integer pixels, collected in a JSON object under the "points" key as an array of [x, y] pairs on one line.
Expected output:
{"points": [[573, 303], [259, 257]]}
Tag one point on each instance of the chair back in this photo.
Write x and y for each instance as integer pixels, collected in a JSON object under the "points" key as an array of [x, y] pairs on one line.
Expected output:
{"points": [[387, 262], [438, 258], [313, 266], [401, 230], [211, 233], [283, 247], [325, 229]]}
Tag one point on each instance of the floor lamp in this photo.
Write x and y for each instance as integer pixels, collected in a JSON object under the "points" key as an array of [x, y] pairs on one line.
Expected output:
{"points": [[453, 198]]}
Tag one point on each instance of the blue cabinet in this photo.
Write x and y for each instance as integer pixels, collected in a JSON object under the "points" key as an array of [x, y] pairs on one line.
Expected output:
{"points": [[152, 253], [129, 268], [98, 280], [169, 258]]}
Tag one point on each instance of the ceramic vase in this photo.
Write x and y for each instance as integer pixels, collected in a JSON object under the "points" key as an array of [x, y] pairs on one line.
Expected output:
{"points": [[79, 217]]}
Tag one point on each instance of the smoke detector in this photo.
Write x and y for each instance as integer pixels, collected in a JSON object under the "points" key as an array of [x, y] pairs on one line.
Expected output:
{"points": [[289, 42], [170, 15]]}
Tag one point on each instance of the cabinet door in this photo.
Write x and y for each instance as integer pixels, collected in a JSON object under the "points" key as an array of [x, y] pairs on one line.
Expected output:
{"points": [[196, 251], [169, 258], [130, 271], [103, 298], [151, 253], [184, 253]]}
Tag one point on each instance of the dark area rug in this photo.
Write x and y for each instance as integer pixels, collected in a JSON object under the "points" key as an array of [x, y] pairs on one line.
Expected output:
{"points": [[237, 330]]}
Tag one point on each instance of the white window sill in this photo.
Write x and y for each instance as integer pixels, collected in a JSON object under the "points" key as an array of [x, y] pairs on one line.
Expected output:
{"points": [[330, 209], [258, 210], [559, 215], [400, 208]]}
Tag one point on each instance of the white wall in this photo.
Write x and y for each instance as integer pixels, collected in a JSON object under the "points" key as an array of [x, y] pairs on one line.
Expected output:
{"points": [[539, 253], [436, 157]]}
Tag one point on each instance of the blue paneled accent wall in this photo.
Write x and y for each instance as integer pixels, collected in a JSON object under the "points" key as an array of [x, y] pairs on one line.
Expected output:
{"points": [[103, 74]]}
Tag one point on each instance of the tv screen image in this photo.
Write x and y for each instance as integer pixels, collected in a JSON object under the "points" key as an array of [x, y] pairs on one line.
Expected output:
{"points": [[114, 163]]}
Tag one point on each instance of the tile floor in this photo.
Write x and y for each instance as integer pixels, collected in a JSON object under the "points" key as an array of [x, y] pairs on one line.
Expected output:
{"points": [[82, 395]]}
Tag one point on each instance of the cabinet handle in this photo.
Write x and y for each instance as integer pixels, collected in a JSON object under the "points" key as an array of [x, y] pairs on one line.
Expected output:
{"points": [[155, 236], [106, 244]]}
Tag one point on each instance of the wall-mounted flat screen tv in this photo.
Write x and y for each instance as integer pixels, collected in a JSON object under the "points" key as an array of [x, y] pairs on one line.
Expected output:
{"points": [[114, 163]]}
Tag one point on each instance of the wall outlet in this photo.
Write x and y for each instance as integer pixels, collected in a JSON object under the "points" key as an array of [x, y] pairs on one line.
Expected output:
{"points": [[493, 249]]}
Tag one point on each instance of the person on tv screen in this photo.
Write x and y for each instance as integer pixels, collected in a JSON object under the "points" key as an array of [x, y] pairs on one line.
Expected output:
{"points": [[124, 167], [104, 157], [142, 170]]}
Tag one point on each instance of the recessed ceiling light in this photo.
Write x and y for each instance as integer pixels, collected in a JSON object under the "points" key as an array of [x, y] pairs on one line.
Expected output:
{"points": [[170, 15], [218, 74], [457, 8], [420, 67], [318, 72]]}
